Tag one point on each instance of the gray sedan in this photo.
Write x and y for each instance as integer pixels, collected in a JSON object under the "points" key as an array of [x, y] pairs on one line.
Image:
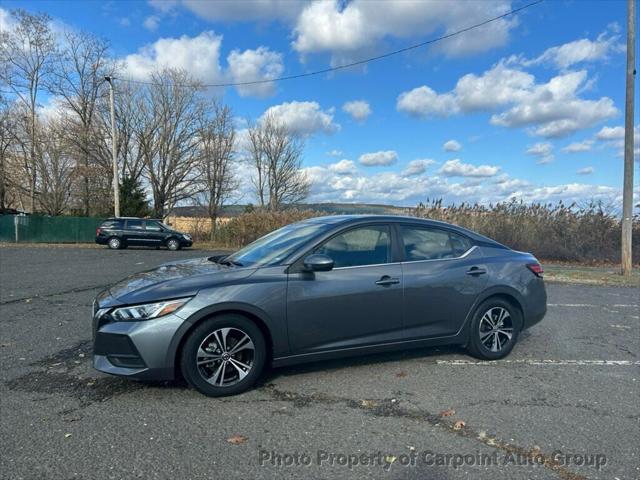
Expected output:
{"points": [[323, 288]]}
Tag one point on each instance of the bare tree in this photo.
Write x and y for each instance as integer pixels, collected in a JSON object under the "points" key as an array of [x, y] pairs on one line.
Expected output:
{"points": [[26, 60], [56, 166], [216, 137], [167, 137], [77, 81], [7, 129], [275, 153]]}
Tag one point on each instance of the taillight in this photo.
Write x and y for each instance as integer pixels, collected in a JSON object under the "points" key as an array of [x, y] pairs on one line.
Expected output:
{"points": [[98, 231], [536, 268]]}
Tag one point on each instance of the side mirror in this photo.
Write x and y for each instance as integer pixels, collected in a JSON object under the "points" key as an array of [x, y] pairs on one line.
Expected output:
{"points": [[318, 263]]}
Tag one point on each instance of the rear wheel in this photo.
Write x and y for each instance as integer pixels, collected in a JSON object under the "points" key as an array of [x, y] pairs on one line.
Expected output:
{"points": [[223, 356], [115, 243], [494, 329], [173, 244]]}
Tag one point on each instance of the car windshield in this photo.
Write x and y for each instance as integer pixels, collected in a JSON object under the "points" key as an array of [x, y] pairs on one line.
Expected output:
{"points": [[275, 246]]}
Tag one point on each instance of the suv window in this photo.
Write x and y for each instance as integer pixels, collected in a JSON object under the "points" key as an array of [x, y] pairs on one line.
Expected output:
{"points": [[152, 226], [134, 225], [113, 224], [359, 246], [422, 243]]}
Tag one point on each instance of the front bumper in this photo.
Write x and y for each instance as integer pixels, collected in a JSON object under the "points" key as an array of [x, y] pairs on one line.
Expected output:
{"points": [[135, 349]]}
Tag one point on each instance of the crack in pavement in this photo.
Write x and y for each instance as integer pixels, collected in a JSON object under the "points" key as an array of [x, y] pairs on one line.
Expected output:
{"points": [[392, 408], [48, 295]]}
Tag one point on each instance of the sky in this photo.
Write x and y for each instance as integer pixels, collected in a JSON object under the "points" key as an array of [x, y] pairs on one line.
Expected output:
{"points": [[529, 107]]}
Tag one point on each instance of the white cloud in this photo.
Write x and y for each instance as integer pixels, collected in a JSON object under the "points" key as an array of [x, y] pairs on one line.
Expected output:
{"points": [[344, 29], [417, 167], [577, 147], [585, 171], [304, 118], [6, 21], [452, 146], [456, 168], [394, 188], [245, 10], [544, 152], [610, 133], [251, 65], [551, 110], [380, 158], [200, 56], [151, 22], [335, 153], [578, 51], [343, 167], [358, 109], [425, 102], [554, 110]]}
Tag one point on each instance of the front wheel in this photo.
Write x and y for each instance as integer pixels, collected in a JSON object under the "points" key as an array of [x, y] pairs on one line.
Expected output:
{"points": [[223, 355], [494, 329], [173, 244]]}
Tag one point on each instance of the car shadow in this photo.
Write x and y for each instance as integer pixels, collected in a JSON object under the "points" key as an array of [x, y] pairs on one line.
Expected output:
{"points": [[270, 374]]}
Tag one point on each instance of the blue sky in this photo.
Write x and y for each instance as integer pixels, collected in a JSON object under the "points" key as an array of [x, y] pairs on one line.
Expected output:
{"points": [[527, 107]]}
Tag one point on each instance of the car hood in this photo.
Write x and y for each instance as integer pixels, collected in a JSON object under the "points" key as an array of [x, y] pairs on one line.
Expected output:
{"points": [[171, 280]]}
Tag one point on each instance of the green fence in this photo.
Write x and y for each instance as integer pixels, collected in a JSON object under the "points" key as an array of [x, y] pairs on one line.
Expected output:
{"points": [[40, 229]]}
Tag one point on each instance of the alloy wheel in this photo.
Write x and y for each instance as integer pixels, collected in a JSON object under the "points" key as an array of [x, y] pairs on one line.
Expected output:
{"points": [[173, 245], [114, 243], [496, 329], [225, 357]]}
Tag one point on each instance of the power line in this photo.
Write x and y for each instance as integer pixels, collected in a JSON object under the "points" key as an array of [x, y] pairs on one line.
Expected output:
{"points": [[359, 62]]}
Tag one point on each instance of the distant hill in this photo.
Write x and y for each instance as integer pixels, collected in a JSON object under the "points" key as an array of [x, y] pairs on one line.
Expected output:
{"points": [[327, 208]]}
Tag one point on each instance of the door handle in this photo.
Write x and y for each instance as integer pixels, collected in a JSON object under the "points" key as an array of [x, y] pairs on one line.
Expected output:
{"points": [[387, 280], [476, 271]]}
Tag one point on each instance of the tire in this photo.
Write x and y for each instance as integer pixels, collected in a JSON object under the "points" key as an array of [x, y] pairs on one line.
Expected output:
{"points": [[173, 244], [114, 243], [219, 372], [493, 322]]}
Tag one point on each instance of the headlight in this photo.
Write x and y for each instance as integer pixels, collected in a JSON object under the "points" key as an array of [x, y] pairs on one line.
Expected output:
{"points": [[147, 311], [188, 237]]}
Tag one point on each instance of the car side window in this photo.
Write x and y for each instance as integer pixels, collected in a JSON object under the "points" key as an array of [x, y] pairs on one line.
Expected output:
{"points": [[134, 225], [422, 243], [153, 226], [113, 224], [358, 247]]}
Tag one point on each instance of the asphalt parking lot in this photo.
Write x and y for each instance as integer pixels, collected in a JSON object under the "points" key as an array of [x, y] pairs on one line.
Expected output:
{"points": [[567, 395]]}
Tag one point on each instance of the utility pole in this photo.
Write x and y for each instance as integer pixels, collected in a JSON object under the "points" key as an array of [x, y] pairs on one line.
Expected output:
{"points": [[114, 150], [627, 192]]}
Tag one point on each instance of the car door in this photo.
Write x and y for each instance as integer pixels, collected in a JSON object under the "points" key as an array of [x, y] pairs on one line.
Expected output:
{"points": [[134, 232], [443, 273], [154, 233], [357, 303]]}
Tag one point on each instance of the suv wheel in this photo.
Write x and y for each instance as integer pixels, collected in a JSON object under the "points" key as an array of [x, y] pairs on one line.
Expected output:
{"points": [[173, 244], [223, 355], [494, 329], [115, 243]]}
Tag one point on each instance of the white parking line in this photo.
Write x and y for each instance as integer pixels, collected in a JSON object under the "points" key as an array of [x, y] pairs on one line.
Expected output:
{"points": [[588, 305], [531, 361]]}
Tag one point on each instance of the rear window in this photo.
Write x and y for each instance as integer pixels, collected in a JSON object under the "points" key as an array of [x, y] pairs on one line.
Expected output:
{"points": [[113, 224], [431, 244]]}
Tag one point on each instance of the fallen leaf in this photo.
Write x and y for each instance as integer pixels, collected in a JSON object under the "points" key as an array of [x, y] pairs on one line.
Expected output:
{"points": [[67, 435], [401, 374], [460, 424], [237, 439], [368, 404], [447, 413], [390, 459]]}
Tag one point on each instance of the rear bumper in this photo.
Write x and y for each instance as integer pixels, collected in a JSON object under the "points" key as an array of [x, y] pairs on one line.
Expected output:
{"points": [[536, 303], [101, 240]]}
